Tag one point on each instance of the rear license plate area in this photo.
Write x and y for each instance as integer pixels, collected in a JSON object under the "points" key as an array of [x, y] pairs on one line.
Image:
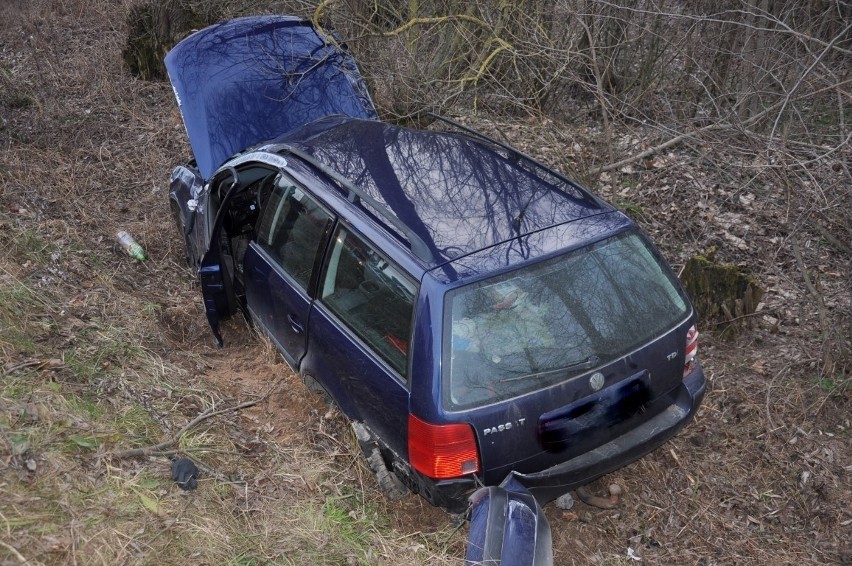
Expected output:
{"points": [[596, 418]]}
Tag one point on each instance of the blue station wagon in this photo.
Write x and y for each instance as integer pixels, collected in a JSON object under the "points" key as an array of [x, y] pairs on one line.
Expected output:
{"points": [[474, 313]]}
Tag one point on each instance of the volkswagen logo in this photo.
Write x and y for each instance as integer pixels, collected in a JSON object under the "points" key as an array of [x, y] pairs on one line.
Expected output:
{"points": [[596, 381]]}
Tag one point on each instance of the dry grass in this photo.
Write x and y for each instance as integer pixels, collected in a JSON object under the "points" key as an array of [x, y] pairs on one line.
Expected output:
{"points": [[101, 353], [87, 373]]}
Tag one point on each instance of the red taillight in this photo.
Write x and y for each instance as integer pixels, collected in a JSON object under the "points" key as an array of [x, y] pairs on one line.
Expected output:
{"points": [[442, 451], [691, 350]]}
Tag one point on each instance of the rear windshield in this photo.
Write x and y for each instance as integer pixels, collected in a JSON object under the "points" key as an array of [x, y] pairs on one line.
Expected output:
{"points": [[544, 323]]}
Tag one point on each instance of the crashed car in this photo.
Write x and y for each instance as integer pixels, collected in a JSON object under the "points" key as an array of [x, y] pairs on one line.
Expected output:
{"points": [[474, 313]]}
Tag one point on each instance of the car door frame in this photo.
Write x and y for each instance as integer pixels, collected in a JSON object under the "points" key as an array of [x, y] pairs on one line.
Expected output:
{"points": [[259, 262], [383, 400], [202, 225]]}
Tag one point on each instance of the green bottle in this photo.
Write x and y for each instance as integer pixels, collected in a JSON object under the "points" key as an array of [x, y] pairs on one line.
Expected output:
{"points": [[131, 246]]}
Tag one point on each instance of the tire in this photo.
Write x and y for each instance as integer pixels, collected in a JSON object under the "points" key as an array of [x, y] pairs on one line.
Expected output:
{"points": [[389, 483]]}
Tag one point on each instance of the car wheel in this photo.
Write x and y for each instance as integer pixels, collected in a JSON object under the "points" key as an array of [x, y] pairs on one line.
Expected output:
{"points": [[389, 483]]}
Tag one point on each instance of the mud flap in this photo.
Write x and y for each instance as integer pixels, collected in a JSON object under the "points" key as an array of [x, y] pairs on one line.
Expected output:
{"points": [[507, 528]]}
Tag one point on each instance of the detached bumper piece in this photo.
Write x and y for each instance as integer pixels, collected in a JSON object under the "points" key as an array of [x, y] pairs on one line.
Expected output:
{"points": [[507, 528]]}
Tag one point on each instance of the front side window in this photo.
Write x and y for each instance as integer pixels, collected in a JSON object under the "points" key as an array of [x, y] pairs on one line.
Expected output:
{"points": [[541, 324], [291, 229], [371, 296]]}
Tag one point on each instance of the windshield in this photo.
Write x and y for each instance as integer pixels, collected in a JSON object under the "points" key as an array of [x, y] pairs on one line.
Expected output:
{"points": [[544, 323]]}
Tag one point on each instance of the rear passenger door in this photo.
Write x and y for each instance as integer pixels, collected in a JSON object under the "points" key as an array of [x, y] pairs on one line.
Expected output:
{"points": [[361, 332], [282, 263]]}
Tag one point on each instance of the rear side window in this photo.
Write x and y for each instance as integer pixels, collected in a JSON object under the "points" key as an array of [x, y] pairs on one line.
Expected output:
{"points": [[291, 229], [541, 324], [371, 296]]}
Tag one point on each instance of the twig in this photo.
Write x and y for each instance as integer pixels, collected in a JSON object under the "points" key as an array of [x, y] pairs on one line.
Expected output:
{"points": [[823, 317], [801, 79], [599, 87], [14, 552], [732, 317], [216, 474], [38, 364], [192, 450], [209, 413], [775, 24], [681, 137], [438, 20], [772, 428]]}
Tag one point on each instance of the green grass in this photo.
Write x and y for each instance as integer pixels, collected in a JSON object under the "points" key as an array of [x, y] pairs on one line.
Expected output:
{"points": [[18, 305], [632, 209], [80, 380], [32, 245], [349, 517], [836, 384], [133, 420], [86, 407]]}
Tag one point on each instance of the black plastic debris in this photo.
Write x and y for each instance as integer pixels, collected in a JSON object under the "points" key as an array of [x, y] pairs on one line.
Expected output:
{"points": [[185, 473]]}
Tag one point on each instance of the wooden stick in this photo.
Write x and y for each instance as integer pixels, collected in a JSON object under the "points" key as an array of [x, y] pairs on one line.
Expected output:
{"points": [[208, 414]]}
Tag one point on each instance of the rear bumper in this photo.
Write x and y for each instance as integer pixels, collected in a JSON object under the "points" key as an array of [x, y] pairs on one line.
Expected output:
{"points": [[549, 484]]}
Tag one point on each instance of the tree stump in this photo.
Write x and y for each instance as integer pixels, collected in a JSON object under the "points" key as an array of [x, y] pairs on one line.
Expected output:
{"points": [[725, 295], [155, 26]]}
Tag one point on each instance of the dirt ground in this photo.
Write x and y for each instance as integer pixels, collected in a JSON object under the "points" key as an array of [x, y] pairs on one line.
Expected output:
{"points": [[762, 476]]}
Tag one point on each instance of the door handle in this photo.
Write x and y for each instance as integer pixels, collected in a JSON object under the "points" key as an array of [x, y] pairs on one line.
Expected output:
{"points": [[295, 324]]}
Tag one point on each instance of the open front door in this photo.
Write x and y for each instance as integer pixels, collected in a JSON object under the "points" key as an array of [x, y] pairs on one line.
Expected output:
{"points": [[234, 193], [216, 275]]}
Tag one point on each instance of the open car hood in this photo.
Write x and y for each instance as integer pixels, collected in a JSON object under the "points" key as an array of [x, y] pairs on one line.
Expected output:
{"points": [[245, 81]]}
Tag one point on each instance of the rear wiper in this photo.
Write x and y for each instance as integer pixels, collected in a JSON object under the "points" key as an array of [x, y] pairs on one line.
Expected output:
{"points": [[586, 363]]}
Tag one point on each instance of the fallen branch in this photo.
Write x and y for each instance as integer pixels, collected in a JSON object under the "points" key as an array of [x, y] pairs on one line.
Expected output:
{"points": [[14, 552], [54, 364], [832, 239], [208, 414], [680, 138], [772, 427], [658, 148], [823, 317]]}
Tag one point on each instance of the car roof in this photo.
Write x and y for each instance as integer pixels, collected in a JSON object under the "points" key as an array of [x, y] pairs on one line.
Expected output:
{"points": [[455, 193]]}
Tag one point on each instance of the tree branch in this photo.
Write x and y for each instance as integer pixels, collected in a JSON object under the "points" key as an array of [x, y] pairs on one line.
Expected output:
{"points": [[823, 317], [208, 414], [802, 78], [679, 138], [434, 20]]}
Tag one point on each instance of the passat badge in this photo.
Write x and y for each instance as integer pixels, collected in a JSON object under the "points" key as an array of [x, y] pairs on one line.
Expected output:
{"points": [[596, 381]]}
